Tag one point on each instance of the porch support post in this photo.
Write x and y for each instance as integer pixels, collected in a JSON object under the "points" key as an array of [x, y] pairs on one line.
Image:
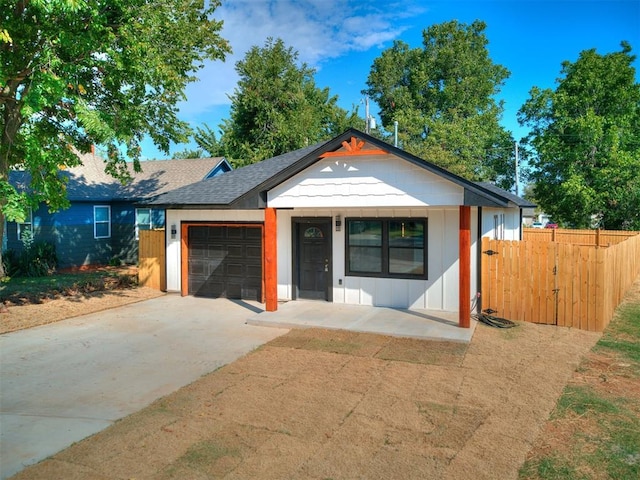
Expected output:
{"points": [[464, 290], [271, 259]]}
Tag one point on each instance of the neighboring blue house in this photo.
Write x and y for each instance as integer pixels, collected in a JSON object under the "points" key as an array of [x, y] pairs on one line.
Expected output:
{"points": [[103, 221]]}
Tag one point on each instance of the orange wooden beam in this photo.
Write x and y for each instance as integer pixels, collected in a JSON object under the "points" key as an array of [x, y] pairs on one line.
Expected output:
{"points": [[359, 153], [271, 259], [464, 308]]}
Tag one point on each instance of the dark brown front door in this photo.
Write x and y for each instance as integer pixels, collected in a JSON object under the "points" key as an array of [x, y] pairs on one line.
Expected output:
{"points": [[313, 258]]}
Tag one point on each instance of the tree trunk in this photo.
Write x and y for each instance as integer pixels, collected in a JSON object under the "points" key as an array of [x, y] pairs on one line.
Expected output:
{"points": [[2, 272], [11, 121]]}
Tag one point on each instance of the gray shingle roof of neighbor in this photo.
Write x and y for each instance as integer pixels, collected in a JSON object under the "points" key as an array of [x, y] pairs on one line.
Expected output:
{"points": [[89, 181], [246, 187]]}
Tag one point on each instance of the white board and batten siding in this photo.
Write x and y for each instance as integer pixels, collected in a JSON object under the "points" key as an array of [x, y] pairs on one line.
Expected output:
{"points": [[438, 292], [501, 223], [380, 186]]}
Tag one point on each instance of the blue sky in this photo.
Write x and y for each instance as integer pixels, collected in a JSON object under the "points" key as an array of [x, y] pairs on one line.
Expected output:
{"points": [[341, 38]]}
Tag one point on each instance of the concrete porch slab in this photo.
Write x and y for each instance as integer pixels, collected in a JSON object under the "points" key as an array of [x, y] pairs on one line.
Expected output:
{"points": [[424, 324]]}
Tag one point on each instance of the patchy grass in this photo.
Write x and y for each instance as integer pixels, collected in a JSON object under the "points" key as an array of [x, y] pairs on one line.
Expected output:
{"points": [[582, 400], [623, 337], [27, 290], [207, 452], [594, 431]]}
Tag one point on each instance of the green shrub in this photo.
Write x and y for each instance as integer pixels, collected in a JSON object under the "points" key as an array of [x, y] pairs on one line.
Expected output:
{"points": [[11, 263], [37, 259], [40, 260]]}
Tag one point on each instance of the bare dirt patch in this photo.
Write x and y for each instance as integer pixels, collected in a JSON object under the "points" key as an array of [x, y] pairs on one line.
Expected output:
{"points": [[318, 404], [18, 317], [20, 311]]}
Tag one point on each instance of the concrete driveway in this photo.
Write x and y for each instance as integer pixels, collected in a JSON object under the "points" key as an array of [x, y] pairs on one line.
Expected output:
{"points": [[63, 382]]}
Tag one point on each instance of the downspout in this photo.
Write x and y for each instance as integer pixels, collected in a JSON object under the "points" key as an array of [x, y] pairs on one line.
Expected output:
{"points": [[520, 226], [479, 262]]}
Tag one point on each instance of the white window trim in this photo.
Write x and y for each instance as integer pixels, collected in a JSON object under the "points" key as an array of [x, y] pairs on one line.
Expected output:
{"points": [[150, 221], [95, 222], [29, 223]]}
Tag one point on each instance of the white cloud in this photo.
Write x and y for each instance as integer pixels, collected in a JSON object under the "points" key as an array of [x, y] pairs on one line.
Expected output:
{"points": [[318, 29]]}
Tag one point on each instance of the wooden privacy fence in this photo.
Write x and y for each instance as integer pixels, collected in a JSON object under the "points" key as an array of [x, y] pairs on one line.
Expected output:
{"points": [[576, 237], [557, 283], [151, 259]]}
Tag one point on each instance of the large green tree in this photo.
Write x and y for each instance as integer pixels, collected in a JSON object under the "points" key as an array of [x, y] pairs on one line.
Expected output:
{"points": [[105, 72], [275, 108], [586, 141], [442, 96]]}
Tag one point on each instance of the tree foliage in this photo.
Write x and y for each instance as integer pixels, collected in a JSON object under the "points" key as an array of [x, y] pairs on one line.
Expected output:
{"points": [[586, 138], [275, 108], [76, 73], [441, 95]]}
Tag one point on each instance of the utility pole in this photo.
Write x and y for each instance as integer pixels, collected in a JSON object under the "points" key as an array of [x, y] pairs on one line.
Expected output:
{"points": [[517, 180], [366, 114]]}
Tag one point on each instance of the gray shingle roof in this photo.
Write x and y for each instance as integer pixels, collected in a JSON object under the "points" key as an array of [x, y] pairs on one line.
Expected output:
{"points": [[230, 187], [519, 201], [89, 182], [246, 187]]}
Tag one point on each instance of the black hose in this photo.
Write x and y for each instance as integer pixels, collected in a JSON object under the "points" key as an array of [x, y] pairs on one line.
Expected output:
{"points": [[490, 319], [494, 321]]}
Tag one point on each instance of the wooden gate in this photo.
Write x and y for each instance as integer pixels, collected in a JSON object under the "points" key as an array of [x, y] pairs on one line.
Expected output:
{"points": [[151, 259], [557, 283]]}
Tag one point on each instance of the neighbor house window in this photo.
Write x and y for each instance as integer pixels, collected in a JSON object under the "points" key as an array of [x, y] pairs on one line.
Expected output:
{"points": [[26, 226], [144, 220], [387, 247], [101, 221]]}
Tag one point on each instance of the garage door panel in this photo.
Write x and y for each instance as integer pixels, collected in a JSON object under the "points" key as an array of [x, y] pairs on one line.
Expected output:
{"points": [[225, 262], [254, 253], [236, 251], [235, 269]]}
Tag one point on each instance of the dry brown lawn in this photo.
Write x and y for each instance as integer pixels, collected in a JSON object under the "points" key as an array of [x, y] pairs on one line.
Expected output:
{"points": [[318, 404]]}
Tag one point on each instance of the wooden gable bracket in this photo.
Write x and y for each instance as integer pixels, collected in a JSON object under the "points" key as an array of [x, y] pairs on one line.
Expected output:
{"points": [[353, 148]]}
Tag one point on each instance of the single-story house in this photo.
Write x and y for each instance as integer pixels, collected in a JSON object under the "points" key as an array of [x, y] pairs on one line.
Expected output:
{"points": [[103, 222], [351, 220]]}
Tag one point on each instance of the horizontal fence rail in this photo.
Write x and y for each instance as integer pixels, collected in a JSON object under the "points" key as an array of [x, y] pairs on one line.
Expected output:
{"points": [[557, 283], [602, 238], [151, 259]]}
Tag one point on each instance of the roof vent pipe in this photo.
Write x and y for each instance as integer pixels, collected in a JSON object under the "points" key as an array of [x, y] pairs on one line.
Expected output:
{"points": [[395, 134]]}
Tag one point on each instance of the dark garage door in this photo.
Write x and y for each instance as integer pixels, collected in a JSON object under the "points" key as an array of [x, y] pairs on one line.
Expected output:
{"points": [[225, 262]]}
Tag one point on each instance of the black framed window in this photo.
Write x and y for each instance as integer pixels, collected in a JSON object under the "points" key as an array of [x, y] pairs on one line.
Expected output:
{"points": [[394, 247]]}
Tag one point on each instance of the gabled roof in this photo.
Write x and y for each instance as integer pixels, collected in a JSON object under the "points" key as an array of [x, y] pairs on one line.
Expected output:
{"points": [[246, 187], [89, 182]]}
